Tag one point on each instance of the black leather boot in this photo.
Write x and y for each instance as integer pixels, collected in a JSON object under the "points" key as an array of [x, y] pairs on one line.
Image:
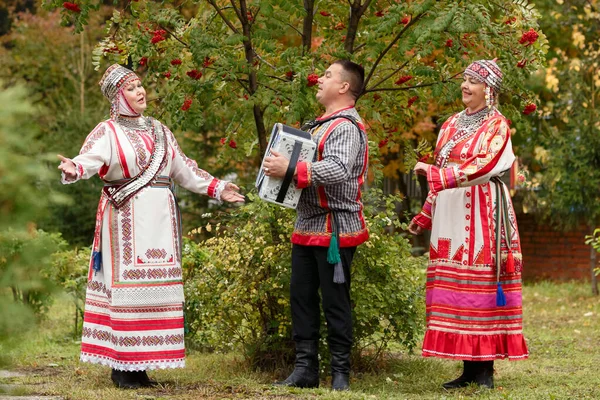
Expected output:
{"points": [[144, 380], [340, 368], [465, 379], [484, 374], [125, 379], [306, 369]]}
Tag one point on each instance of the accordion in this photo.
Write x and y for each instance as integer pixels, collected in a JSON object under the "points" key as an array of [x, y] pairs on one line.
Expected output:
{"points": [[295, 145]]}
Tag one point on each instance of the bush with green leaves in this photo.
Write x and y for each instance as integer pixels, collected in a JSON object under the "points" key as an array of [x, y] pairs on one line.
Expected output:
{"points": [[69, 271], [237, 285], [24, 266]]}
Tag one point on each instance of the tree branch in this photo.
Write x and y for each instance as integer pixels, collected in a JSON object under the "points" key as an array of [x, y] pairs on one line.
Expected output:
{"points": [[360, 46], [238, 11], [364, 7], [174, 36], [394, 89], [278, 78], [220, 12], [395, 71], [307, 25], [263, 60], [270, 88], [357, 10], [241, 82], [389, 47]]}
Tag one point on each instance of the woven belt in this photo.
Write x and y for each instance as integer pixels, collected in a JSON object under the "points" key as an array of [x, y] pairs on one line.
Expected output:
{"points": [[159, 181]]}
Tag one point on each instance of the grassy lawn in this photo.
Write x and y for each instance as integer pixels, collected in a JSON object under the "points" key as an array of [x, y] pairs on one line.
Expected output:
{"points": [[562, 327]]}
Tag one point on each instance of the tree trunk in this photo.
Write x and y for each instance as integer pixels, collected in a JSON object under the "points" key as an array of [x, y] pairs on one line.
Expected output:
{"points": [[253, 79], [309, 6], [353, 20], [356, 12], [260, 128]]}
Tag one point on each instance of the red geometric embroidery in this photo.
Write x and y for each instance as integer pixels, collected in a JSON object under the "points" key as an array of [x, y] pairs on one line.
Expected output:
{"points": [[174, 225], [95, 286], [156, 253], [153, 273], [131, 341], [433, 255], [480, 259], [138, 145], [158, 273], [126, 230], [92, 138], [458, 256], [443, 250], [134, 274]]}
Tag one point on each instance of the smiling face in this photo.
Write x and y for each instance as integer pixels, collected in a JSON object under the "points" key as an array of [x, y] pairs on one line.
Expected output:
{"points": [[473, 93], [332, 85], [135, 95]]}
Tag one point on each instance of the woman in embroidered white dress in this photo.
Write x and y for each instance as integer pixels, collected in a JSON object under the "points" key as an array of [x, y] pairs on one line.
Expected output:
{"points": [[133, 317], [473, 303]]}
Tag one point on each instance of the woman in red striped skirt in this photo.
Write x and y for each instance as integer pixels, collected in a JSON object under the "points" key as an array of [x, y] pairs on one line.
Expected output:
{"points": [[473, 285]]}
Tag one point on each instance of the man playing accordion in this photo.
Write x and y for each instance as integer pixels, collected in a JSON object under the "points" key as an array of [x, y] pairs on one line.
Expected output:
{"points": [[329, 226]]}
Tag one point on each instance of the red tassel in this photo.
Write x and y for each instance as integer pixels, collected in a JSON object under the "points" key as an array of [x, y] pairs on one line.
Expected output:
{"points": [[510, 263]]}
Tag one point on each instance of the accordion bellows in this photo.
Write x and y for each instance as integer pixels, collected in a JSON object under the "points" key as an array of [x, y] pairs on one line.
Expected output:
{"points": [[295, 145]]}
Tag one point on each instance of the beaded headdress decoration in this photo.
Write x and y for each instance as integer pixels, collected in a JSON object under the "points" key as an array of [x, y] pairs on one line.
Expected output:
{"points": [[488, 72], [113, 81]]}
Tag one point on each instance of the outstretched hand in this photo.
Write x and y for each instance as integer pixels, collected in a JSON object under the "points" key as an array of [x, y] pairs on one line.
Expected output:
{"points": [[67, 167], [231, 194]]}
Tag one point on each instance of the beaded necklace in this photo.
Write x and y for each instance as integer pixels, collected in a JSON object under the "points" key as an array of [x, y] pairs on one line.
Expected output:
{"points": [[135, 123], [466, 125]]}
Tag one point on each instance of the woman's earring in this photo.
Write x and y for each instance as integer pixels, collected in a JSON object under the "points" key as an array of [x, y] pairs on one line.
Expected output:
{"points": [[489, 97]]}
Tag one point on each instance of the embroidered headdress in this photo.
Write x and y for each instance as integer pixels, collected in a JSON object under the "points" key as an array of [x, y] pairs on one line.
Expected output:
{"points": [[486, 71], [112, 83]]}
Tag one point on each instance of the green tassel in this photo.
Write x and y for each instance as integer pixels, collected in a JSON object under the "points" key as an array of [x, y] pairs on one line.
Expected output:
{"points": [[333, 254]]}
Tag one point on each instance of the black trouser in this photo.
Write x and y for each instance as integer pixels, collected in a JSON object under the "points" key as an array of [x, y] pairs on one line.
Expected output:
{"points": [[311, 271]]}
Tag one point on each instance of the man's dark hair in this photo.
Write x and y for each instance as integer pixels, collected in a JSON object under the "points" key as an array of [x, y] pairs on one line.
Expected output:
{"points": [[355, 75]]}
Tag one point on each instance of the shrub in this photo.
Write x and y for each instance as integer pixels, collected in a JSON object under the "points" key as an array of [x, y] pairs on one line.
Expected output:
{"points": [[237, 285], [69, 271], [24, 266]]}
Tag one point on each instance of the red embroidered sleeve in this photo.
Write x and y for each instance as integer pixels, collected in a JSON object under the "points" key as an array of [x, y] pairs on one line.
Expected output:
{"points": [[423, 219], [303, 174]]}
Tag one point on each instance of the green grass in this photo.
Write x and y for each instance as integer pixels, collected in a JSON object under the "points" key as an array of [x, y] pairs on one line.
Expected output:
{"points": [[562, 327]]}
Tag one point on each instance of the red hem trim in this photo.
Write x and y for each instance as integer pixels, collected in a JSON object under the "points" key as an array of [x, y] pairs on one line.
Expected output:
{"points": [[323, 241], [134, 355], [473, 347]]}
